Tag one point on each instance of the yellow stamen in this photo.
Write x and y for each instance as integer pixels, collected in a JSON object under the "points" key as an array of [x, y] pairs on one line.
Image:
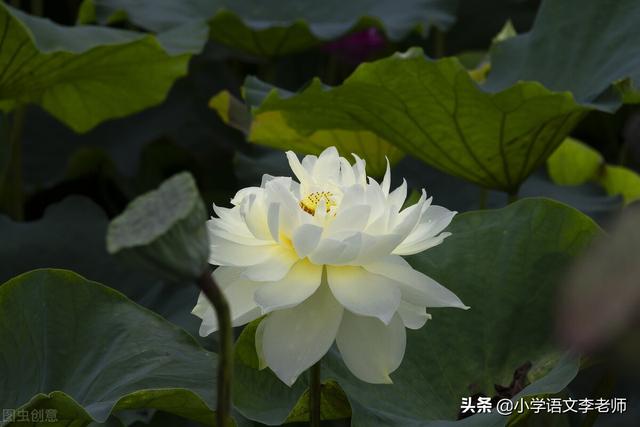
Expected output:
{"points": [[310, 203]]}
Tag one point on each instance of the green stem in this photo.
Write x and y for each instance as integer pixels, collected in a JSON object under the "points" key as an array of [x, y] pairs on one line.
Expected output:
{"points": [[315, 393], [11, 191], [512, 197], [438, 42], [225, 366], [331, 71]]}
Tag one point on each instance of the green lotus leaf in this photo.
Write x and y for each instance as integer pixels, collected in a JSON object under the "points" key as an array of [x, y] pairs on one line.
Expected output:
{"points": [[85, 351], [434, 111], [563, 52], [271, 129], [274, 27], [164, 230], [81, 75]]}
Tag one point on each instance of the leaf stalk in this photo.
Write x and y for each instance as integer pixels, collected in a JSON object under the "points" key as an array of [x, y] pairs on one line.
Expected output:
{"points": [[11, 186], [315, 393], [225, 365]]}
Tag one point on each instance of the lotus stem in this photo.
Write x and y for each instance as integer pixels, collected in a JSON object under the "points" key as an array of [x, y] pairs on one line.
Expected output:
{"points": [[438, 43], [225, 364], [315, 393], [11, 187]]}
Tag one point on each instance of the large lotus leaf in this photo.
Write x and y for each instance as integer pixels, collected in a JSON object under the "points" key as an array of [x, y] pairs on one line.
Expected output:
{"points": [[276, 27], [583, 46], [81, 75], [86, 350], [71, 235], [271, 129], [164, 230], [436, 112], [504, 263]]}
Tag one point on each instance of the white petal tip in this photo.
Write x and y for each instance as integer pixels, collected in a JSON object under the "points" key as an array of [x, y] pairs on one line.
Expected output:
{"points": [[457, 304], [286, 378], [206, 332], [387, 319], [382, 378], [289, 381]]}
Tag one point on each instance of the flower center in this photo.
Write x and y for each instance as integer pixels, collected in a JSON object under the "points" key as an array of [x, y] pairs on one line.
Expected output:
{"points": [[310, 203]]}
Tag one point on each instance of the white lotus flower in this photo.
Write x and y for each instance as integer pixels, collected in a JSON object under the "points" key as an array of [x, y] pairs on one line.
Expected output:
{"points": [[322, 259]]}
